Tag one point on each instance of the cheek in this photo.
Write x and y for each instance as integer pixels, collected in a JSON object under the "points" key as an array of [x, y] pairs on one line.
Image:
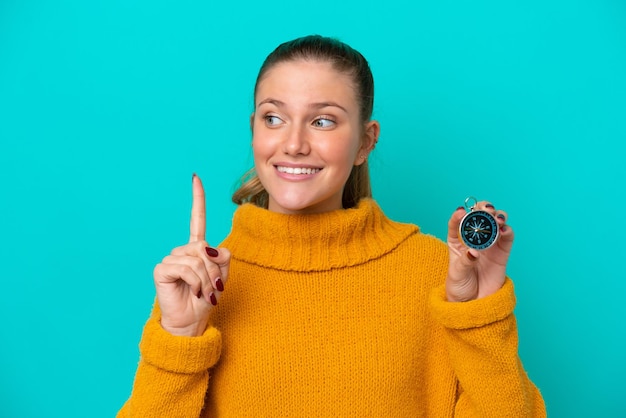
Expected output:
{"points": [[345, 149], [260, 142], [264, 147]]}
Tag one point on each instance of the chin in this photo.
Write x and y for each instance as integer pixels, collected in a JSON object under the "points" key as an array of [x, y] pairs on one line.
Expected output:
{"points": [[302, 205]]}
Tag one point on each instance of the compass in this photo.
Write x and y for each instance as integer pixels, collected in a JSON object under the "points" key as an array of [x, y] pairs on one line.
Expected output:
{"points": [[478, 229]]}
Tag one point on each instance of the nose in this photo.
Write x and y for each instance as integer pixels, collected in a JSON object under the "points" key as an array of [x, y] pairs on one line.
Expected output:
{"points": [[296, 141]]}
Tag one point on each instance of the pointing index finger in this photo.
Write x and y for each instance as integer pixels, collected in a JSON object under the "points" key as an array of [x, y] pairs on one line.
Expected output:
{"points": [[197, 226]]}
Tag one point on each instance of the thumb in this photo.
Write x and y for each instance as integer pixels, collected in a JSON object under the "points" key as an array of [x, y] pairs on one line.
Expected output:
{"points": [[461, 284], [221, 257], [454, 222], [463, 264]]}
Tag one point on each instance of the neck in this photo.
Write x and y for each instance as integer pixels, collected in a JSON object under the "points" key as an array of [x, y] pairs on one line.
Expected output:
{"points": [[313, 242]]}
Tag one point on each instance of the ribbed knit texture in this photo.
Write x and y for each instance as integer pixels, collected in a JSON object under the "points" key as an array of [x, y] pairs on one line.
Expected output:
{"points": [[337, 314]]}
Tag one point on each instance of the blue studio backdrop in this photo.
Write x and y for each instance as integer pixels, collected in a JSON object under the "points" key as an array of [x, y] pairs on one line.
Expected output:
{"points": [[108, 107]]}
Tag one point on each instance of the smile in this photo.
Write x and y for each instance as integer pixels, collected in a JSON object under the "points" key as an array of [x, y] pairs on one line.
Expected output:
{"points": [[298, 170]]}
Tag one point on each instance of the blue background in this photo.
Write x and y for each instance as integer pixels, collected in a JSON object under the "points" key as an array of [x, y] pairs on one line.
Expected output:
{"points": [[107, 107]]}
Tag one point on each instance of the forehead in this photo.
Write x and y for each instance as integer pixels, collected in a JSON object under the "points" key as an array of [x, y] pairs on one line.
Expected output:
{"points": [[306, 80]]}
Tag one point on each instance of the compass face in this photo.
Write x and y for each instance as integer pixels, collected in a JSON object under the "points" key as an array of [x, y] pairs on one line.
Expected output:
{"points": [[478, 230]]}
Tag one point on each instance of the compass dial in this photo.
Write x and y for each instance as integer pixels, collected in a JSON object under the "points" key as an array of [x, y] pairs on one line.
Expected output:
{"points": [[478, 230]]}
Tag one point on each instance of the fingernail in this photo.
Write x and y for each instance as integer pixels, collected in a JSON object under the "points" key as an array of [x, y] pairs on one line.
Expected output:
{"points": [[193, 176], [219, 285], [503, 228], [212, 252], [213, 299], [501, 216], [199, 294], [470, 256], [490, 206], [460, 207]]}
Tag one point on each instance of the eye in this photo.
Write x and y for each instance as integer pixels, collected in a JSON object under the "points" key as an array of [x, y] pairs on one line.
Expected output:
{"points": [[323, 122], [271, 120]]}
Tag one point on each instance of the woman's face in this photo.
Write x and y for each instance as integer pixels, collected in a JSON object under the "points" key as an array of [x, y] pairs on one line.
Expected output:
{"points": [[307, 136]]}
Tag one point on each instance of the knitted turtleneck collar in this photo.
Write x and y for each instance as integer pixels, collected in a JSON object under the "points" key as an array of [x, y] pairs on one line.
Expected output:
{"points": [[316, 242]]}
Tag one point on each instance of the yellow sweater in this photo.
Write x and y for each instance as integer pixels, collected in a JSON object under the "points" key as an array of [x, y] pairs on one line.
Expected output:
{"points": [[337, 314]]}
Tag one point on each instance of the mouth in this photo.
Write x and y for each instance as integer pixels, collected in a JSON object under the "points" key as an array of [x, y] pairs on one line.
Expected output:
{"points": [[298, 170]]}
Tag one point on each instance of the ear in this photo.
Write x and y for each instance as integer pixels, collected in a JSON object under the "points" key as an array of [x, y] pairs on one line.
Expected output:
{"points": [[370, 138]]}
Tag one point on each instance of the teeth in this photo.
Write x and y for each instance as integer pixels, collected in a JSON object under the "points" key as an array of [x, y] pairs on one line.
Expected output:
{"points": [[298, 170]]}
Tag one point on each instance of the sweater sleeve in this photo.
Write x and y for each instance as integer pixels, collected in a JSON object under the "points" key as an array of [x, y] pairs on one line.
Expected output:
{"points": [[482, 344], [172, 376]]}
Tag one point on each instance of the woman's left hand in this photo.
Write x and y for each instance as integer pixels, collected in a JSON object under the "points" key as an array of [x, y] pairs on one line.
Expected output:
{"points": [[474, 274]]}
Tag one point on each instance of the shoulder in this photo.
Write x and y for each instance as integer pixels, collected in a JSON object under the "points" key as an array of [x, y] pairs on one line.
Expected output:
{"points": [[425, 247], [419, 255], [415, 238]]}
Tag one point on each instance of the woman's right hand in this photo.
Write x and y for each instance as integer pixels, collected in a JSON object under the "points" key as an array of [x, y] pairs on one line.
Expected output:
{"points": [[191, 279]]}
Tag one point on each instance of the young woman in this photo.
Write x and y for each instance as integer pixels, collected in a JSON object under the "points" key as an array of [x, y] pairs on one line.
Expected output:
{"points": [[326, 306]]}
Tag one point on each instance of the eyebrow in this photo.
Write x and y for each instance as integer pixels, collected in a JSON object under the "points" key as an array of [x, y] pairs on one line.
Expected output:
{"points": [[319, 105]]}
